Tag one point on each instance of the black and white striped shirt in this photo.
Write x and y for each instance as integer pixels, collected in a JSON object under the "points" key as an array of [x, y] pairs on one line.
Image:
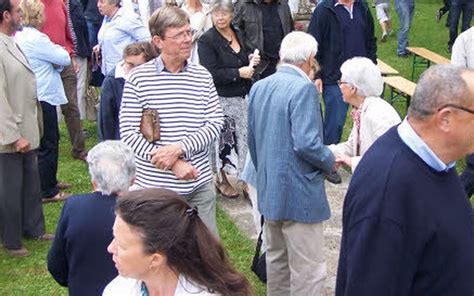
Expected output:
{"points": [[190, 114]]}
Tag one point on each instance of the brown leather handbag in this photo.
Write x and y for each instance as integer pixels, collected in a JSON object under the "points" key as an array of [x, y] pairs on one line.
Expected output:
{"points": [[150, 125]]}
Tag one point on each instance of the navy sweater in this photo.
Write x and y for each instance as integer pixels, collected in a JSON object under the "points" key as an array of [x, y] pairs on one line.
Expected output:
{"points": [[407, 229], [78, 258], [326, 27]]}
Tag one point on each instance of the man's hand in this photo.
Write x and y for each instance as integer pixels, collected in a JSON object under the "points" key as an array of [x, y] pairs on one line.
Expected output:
{"points": [[22, 145], [183, 170], [319, 85], [165, 157], [75, 65]]}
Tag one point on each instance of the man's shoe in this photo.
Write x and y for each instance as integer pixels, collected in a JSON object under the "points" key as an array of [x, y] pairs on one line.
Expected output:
{"points": [[45, 237], [384, 37], [80, 156], [333, 177], [63, 185], [404, 55], [450, 48], [61, 196], [21, 252]]}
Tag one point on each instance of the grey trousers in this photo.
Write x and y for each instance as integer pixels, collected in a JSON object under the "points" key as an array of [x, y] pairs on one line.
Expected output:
{"points": [[295, 261], [204, 198], [71, 111], [21, 210]]}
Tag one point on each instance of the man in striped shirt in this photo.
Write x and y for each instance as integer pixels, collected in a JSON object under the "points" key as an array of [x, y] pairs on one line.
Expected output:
{"points": [[190, 116]]}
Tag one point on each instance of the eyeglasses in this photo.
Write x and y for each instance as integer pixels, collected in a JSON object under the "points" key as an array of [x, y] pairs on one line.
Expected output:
{"points": [[457, 107], [182, 35], [340, 82]]}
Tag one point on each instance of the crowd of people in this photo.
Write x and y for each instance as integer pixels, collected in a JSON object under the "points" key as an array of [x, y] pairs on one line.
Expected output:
{"points": [[192, 95]]}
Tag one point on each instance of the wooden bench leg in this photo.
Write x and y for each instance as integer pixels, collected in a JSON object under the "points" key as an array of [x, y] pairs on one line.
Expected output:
{"points": [[413, 68]]}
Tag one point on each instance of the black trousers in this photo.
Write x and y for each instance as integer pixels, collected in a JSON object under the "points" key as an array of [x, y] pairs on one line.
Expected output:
{"points": [[21, 211], [48, 152]]}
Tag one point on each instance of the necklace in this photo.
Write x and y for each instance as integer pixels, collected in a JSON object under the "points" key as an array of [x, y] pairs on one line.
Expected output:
{"points": [[229, 39]]}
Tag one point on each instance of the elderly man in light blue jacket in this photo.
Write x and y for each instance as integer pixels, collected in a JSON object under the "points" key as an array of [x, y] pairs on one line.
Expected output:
{"points": [[286, 145]]}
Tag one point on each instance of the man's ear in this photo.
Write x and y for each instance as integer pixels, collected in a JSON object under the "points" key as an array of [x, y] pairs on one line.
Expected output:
{"points": [[157, 42], [443, 119]]}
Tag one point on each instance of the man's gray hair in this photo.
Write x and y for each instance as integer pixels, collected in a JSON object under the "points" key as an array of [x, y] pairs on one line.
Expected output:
{"points": [[297, 47], [223, 5], [117, 3], [167, 17], [364, 75], [438, 86], [111, 166]]}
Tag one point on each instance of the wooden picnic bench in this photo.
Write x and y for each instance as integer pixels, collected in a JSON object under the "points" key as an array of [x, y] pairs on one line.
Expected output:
{"points": [[423, 57], [386, 69], [400, 88]]}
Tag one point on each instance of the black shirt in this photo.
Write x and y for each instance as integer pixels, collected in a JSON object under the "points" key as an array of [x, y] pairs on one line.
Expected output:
{"points": [[272, 30]]}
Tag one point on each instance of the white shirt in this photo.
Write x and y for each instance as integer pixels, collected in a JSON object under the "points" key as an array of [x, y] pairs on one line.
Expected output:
{"points": [[463, 49], [122, 286]]}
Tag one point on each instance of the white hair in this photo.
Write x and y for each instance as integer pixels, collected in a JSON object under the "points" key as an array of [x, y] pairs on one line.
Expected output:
{"points": [[297, 47], [111, 166], [364, 75]]}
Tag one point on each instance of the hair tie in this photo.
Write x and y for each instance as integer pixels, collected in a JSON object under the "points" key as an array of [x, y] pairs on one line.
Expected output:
{"points": [[192, 212]]}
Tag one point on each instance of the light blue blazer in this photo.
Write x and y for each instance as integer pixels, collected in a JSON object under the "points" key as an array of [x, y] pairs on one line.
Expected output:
{"points": [[285, 135]]}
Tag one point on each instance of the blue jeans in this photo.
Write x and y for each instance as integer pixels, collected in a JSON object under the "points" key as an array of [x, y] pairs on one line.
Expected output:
{"points": [[405, 10], [458, 6], [334, 113]]}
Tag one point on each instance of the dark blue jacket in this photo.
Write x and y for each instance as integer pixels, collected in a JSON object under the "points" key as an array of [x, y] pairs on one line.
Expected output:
{"points": [[91, 12], [78, 258], [325, 27], [79, 26], [110, 101]]}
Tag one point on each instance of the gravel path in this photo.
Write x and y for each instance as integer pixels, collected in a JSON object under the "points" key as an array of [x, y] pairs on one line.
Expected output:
{"points": [[240, 211]]}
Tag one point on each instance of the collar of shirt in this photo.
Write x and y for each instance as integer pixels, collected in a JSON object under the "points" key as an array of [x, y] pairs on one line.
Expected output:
{"points": [[297, 69], [117, 14], [349, 9], [160, 66], [417, 145]]}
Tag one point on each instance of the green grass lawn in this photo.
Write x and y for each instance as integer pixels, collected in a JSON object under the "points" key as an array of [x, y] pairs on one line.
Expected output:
{"points": [[29, 276]]}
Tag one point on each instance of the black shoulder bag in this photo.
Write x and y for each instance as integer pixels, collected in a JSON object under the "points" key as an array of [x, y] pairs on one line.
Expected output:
{"points": [[259, 265]]}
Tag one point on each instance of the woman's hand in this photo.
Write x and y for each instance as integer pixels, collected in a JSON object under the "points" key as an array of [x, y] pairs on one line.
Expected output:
{"points": [[344, 159], [96, 51], [246, 72], [254, 59]]}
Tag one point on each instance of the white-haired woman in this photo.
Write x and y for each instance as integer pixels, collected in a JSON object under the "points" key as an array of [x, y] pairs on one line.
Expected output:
{"points": [[361, 86], [119, 29], [85, 227]]}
